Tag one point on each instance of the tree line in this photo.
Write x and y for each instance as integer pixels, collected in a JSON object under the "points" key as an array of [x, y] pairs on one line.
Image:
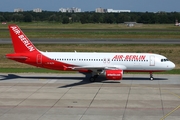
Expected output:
{"points": [[91, 17]]}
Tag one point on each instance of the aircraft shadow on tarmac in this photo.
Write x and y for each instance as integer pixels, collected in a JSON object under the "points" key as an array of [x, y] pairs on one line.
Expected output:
{"points": [[81, 80], [14, 76]]}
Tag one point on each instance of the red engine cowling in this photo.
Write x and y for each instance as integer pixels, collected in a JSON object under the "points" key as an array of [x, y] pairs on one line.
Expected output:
{"points": [[114, 74]]}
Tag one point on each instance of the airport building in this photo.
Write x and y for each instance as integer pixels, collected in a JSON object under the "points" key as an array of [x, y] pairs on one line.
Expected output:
{"points": [[18, 10], [102, 10], [63, 10], [37, 10], [130, 24], [70, 10], [116, 11], [177, 23]]}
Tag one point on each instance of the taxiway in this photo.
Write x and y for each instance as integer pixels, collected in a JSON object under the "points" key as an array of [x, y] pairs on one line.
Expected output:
{"points": [[31, 96]]}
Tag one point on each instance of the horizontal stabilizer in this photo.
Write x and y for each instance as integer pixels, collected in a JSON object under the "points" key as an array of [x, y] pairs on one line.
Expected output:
{"points": [[17, 57]]}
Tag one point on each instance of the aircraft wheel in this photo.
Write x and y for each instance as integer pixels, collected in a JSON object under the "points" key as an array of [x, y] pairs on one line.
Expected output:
{"points": [[92, 79], [151, 76]]}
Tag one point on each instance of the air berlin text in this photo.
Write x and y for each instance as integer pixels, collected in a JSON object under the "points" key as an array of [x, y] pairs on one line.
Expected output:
{"points": [[129, 57], [16, 31], [23, 38]]}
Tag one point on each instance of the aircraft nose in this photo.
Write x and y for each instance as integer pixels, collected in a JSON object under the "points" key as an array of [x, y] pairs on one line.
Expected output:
{"points": [[172, 65]]}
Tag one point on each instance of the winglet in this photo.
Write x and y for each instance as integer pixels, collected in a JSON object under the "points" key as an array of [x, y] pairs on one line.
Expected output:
{"points": [[20, 41]]}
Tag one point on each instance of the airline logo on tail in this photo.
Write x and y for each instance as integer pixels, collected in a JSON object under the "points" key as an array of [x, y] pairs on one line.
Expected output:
{"points": [[23, 38]]}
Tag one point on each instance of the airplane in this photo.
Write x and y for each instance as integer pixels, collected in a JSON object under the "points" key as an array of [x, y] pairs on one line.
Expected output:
{"points": [[111, 65]]}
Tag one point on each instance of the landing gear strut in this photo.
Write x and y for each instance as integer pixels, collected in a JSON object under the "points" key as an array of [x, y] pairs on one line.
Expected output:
{"points": [[151, 76]]}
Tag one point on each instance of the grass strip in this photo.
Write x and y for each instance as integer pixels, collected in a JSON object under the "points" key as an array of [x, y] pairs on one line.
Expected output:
{"points": [[52, 30]]}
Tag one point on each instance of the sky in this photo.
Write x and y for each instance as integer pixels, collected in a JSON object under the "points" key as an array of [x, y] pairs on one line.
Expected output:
{"points": [[91, 5]]}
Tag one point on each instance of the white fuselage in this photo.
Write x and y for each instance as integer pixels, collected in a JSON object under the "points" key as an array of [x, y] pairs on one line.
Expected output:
{"points": [[125, 61]]}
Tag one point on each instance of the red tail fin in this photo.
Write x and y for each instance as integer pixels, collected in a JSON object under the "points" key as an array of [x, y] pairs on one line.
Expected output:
{"points": [[20, 42]]}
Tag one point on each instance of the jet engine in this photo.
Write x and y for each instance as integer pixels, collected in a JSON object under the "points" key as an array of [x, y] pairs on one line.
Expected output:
{"points": [[114, 74]]}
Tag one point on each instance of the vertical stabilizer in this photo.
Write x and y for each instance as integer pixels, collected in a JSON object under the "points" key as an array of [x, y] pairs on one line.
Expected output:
{"points": [[20, 41]]}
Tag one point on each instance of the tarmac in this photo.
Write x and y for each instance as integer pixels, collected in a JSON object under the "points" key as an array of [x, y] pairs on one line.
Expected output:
{"points": [[30, 96]]}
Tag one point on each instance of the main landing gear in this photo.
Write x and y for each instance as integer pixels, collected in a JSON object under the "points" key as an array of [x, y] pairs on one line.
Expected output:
{"points": [[93, 78], [151, 76], [95, 74]]}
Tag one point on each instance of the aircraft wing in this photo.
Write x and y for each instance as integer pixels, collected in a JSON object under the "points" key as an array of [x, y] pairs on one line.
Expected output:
{"points": [[121, 67]]}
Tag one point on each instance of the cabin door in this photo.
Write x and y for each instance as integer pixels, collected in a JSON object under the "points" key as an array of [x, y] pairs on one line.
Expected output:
{"points": [[152, 60], [39, 59]]}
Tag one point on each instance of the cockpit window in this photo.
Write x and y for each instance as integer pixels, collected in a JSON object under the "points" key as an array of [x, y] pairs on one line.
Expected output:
{"points": [[164, 60]]}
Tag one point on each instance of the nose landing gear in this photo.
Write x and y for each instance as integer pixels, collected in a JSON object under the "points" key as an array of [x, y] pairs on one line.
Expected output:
{"points": [[151, 76]]}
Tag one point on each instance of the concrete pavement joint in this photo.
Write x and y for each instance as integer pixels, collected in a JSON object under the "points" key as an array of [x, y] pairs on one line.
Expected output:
{"points": [[173, 109], [161, 98], [91, 102], [32, 93], [165, 116], [54, 104], [162, 103], [170, 113], [12, 106], [123, 117]]}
